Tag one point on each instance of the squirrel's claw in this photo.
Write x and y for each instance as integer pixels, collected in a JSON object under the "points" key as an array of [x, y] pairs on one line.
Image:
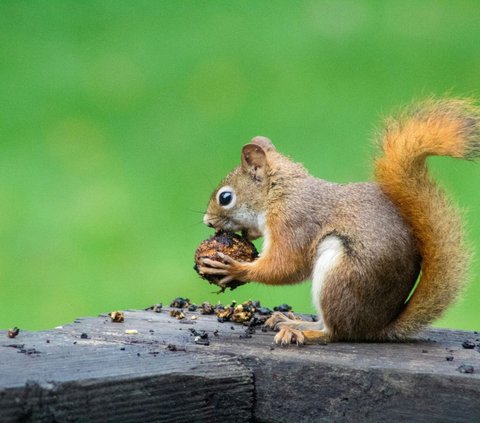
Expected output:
{"points": [[215, 263], [287, 336], [230, 268], [205, 270], [227, 259], [223, 283]]}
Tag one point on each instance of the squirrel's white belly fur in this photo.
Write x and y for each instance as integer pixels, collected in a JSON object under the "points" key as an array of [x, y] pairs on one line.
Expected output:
{"points": [[329, 252]]}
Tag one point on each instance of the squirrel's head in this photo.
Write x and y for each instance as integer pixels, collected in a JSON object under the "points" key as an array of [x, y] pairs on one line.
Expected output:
{"points": [[239, 202]]}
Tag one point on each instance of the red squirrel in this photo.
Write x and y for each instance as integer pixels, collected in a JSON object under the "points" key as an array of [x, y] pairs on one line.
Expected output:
{"points": [[363, 245]]}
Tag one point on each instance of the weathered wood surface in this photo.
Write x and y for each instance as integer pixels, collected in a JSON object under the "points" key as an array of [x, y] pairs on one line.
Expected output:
{"points": [[161, 375]]}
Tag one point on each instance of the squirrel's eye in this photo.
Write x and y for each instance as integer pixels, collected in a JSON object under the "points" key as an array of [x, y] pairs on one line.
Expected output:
{"points": [[226, 197]]}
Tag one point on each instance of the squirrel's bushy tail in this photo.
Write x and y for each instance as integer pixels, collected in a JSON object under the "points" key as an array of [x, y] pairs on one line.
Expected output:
{"points": [[442, 128]]}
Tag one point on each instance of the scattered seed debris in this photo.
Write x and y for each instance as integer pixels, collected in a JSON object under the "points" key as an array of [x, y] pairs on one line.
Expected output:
{"points": [[200, 333], [193, 317], [180, 302], [131, 331], [240, 313], [206, 308], [468, 344], [117, 316], [284, 308], [84, 335], [12, 333], [177, 314], [466, 368], [201, 341], [157, 308], [201, 337], [249, 331], [244, 312], [449, 358], [122, 349], [215, 332]]}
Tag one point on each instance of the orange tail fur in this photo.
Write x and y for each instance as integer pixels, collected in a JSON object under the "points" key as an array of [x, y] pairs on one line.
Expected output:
{"points": [[442, 128]]}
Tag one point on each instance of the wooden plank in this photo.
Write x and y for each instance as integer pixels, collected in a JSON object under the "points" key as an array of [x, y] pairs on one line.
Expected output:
{"points": [[160, 374]]}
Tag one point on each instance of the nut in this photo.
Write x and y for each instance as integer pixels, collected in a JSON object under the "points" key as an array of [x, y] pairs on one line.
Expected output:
{"points": [[230, 244]]}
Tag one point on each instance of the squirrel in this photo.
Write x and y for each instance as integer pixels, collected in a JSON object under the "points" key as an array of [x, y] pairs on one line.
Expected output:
{"points": [[363, 245]]}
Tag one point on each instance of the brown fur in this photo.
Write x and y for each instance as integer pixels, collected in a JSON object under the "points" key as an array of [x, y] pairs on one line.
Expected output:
{"points": [[386, 230]]}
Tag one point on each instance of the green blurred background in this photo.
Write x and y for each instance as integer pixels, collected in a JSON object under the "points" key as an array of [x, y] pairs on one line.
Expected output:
{"points": [[118, 118]]}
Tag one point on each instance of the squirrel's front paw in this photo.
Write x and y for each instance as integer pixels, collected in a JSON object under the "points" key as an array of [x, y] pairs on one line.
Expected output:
{"points": [[229, 268]]}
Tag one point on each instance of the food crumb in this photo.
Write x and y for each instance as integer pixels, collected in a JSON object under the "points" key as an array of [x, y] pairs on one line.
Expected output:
{"points": [[206, 308], [177, 314], [284, 308], [468, 344], [117, 316], [180, 302], [131, 331], [466, 368], [12, 333]]}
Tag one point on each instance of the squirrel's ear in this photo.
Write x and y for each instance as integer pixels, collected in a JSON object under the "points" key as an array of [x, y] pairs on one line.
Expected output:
{"points": [[254, 161], [263, 142]]}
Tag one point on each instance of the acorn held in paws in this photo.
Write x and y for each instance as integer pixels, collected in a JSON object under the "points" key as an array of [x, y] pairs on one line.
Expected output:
{"points": [[230, 244]]}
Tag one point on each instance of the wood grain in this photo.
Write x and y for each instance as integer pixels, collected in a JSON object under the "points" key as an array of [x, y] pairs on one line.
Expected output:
{"points": [[161, 375]]}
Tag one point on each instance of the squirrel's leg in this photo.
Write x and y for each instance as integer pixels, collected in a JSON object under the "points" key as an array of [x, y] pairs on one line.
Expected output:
{"points": [[270, 268], [330, 252]]}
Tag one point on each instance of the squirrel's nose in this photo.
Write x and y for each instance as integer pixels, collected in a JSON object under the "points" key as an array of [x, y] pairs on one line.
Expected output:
{"points": [[207, 221]]}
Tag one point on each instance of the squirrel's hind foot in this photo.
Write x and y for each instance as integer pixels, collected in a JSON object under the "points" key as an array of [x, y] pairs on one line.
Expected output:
{"points": [[288, 335]]}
